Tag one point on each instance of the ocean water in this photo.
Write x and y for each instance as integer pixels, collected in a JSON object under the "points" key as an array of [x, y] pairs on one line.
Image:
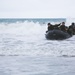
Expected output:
{"points": [[24, 50]]}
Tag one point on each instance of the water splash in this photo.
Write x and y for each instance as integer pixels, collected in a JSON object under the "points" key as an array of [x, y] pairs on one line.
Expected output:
{"points": [[28, 38]]}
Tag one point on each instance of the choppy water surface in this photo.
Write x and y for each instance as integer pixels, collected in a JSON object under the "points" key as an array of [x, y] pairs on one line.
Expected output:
{"points": [[24, 50], [29, 39]]}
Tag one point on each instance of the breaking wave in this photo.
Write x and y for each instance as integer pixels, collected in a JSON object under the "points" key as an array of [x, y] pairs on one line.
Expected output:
{"points": [[28, 38]]}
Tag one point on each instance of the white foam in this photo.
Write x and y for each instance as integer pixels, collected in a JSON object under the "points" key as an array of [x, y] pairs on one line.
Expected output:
{"points": [[22, 28], [28, 38]]}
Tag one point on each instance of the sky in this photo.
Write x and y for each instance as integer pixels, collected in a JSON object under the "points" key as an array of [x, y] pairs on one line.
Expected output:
{"points": [[37, 8]]}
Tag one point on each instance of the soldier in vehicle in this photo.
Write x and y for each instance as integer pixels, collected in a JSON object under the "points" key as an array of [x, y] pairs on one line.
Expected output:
{"points": [[71, 29], [50, 27], [63, 27]]}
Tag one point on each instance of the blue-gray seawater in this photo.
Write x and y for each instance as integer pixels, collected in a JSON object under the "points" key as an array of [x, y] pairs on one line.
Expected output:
{"points": [[24, 50]]}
